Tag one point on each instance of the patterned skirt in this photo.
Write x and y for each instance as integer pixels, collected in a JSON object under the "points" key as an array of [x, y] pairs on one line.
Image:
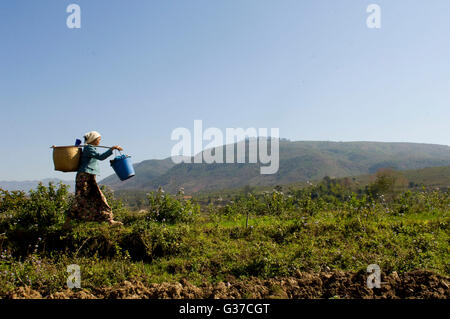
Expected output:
{"points": [[90, 204]]}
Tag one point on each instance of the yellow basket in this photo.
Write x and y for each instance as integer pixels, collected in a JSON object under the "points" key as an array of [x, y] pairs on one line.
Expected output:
{"points": [[66, 158]]}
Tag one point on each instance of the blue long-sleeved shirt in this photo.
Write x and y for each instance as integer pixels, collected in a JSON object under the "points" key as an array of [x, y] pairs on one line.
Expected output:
{"points": [[89, 159]]}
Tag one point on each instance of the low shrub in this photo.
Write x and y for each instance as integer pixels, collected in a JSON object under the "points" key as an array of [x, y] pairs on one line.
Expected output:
{"points": [[165, 208]]}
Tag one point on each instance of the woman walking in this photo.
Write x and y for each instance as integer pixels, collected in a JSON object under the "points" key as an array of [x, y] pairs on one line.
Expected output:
{"points": [[90, 204]]}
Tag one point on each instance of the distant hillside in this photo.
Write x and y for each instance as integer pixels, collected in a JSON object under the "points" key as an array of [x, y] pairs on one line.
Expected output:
{"points": [[438, 177], [27, 185], [299, 161], [146, 173], [430, 176]]}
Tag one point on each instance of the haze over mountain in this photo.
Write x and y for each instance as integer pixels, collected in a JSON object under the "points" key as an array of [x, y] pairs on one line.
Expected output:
{"points": [[27, 185], [299, 161]]}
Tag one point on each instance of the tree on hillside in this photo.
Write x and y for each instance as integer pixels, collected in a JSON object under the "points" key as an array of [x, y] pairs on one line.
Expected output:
{"points": [[388, 183]]}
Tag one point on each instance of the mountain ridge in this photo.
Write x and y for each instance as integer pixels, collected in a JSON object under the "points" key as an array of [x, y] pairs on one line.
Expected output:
{"points": [[299, 161], [32, 184]]}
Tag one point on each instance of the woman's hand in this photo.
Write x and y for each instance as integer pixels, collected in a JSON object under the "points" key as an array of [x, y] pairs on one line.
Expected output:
{"points": [[117, 147]]}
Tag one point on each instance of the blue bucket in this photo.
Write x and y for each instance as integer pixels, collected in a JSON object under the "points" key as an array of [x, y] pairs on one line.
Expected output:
{"points": [[123, 167]]}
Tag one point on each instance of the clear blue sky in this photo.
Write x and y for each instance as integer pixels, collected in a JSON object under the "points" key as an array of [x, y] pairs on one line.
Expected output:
{"points": [[138, 69]]}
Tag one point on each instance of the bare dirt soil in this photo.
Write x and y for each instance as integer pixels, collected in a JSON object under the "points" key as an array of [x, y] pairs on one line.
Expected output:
{"points": [[338, 284]]}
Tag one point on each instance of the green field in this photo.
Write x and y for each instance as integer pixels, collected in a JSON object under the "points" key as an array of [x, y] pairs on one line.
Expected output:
{"points": [[325, 227]]}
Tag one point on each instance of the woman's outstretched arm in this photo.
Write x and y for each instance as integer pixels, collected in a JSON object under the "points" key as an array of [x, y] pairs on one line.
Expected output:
{"points": [[92, 152]]}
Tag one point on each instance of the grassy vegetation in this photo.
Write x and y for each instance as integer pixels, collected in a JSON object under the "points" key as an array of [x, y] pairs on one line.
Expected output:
{"points": [[414, 180], [317, 228]]}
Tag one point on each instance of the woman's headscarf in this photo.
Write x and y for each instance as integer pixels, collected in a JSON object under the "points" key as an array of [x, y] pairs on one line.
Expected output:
{"points": [[91, 136]]}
